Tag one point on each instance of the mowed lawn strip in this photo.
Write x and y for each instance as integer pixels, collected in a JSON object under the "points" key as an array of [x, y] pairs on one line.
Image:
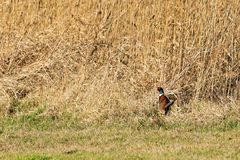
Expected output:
{"points": [[122, 142]]}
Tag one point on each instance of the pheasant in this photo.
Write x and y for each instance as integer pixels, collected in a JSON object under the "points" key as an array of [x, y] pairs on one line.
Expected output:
{"points": [[164, 102]]}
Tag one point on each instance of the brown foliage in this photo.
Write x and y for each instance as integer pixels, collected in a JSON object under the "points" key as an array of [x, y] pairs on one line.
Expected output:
{"points": [[88, 52]]}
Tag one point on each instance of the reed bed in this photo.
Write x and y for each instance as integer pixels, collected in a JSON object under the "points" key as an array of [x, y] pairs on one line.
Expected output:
{"points": [[104, 59]]}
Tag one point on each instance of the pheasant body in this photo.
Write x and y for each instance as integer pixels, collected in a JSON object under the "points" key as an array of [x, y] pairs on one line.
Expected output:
{"points": [[164, 102]]}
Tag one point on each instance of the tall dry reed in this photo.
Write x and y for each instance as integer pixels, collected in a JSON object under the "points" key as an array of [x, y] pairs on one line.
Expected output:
{"points": [[103, 55]]}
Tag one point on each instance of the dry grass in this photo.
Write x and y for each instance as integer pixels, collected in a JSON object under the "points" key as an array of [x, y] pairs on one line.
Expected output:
{"points": [[105, 58]]}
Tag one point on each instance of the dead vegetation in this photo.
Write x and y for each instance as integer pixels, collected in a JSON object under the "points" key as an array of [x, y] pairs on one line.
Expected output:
{"points": [[107, 57]]}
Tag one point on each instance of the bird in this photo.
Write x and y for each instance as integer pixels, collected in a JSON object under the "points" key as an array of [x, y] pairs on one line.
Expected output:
{"points": [[164, 102]]}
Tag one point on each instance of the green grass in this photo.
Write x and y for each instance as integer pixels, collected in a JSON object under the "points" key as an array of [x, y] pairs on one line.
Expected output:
{"points": [[33, 135], [36, 138]]}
